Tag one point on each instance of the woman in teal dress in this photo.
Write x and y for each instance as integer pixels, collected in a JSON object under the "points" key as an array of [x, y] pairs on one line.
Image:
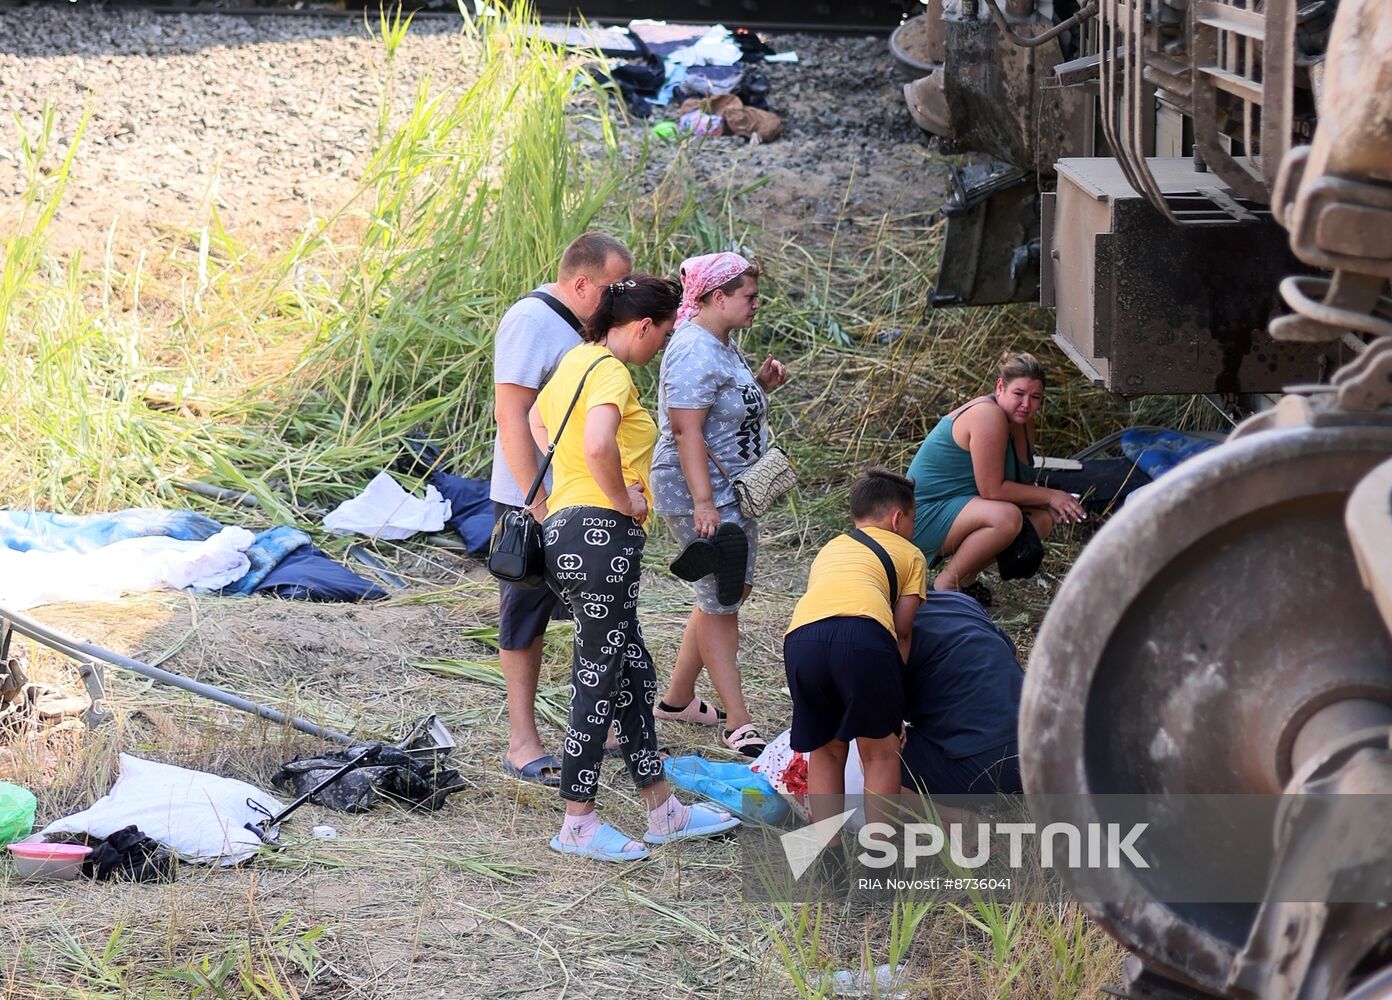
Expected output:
{"points": [[972, 479]]}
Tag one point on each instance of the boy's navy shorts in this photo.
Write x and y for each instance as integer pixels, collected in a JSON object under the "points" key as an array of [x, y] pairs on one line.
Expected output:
{"points": [[524, 612], [847, 682]]}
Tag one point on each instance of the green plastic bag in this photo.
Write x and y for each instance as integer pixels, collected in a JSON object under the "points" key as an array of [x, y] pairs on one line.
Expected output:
{"points": [[17, 807]]}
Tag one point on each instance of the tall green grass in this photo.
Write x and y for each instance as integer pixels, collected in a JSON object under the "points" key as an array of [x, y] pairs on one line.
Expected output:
{"points": [[295, 374]]}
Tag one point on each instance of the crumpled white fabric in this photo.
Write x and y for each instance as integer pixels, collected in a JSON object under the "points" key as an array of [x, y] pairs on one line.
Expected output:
{"points": [[29, 579], [717, 47], [385, 510], [779, 755], [201, 817]]}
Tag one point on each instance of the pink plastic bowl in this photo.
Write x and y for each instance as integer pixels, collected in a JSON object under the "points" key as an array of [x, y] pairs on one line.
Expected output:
{"points": [[56, 862]]}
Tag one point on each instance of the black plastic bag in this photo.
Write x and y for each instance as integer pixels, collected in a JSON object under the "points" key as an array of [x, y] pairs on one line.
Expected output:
{"points": [[130, 856], [1022, 557], [393, 775]]}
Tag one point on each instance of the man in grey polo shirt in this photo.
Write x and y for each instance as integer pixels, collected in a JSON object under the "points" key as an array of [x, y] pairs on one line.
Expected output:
{"points": [[532, 337]]}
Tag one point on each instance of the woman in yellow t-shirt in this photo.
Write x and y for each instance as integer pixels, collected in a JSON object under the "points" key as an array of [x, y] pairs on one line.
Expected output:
{"points": [[594, 537]]}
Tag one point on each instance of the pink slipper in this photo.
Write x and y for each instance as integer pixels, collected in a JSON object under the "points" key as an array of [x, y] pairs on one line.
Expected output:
{"points": [[696, 711], [745, 740]]}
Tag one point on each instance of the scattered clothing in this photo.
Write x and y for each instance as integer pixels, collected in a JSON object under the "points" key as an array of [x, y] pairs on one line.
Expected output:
{"points": [[716, 47], [749, 86], [24, 702], [50, 558], [130, 856], [1157, 452], [1100, 485], [471, 511], [308, 574], [752, 46], [738, 119], [29, 579], [385, 510], [392, 774], [707, 81], [661, 38], [637, 81], [267, 551], [587, 37], [699, 123], [735, 786], [202, 818]]}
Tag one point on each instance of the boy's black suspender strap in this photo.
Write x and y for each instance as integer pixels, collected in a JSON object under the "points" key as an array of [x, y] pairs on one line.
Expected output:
{"points": [[864, 539]]}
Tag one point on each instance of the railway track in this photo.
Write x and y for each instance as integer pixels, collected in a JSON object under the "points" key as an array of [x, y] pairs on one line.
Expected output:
{"points": [[819, 17]]}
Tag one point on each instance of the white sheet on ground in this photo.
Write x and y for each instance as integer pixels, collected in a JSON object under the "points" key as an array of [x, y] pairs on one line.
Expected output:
{"points": [[385, 510], [28, 579], [202, 817]]}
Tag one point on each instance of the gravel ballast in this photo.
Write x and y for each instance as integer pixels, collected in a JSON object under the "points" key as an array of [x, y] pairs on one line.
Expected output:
{"points": [[271, 120]]}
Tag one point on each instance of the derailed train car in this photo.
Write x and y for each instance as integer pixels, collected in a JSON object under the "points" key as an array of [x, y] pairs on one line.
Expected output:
{"points": [[1203, 190], [1134, 152]]}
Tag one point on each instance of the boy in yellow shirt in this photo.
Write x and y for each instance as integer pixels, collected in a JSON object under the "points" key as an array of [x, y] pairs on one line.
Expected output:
{"points": [[846, 647]]}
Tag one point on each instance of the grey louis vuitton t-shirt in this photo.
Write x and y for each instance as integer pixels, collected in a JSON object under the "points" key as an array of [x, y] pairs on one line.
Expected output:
{"points": [[701, 373], [530, 343]]}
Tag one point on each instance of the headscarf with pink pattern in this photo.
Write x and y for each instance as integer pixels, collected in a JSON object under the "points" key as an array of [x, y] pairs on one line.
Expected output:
{"points": [[700, 275]]}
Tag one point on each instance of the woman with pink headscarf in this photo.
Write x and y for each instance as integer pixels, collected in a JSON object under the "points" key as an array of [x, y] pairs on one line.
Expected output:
{"points": [[713, 421]]}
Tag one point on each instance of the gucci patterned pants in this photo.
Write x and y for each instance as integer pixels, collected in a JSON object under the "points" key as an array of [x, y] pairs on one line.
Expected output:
{"points": [[593, 558]]}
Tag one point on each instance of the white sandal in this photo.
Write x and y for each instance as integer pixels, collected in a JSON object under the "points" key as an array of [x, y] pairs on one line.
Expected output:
{"points": [[745, 740]]}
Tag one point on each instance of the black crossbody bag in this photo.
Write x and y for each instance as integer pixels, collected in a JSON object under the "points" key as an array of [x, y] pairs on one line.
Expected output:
{"points": [[515, 553], [864, 539]]}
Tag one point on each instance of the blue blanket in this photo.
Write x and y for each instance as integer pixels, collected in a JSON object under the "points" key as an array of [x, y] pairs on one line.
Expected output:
{"points": [[1157, 452], [471, 512], [266, 553], [283, 561], [307, 574], [40, 531]]}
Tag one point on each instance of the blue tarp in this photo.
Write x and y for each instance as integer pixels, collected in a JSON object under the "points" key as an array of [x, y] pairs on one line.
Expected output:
{"points": [[1157, 452], [732, 785]]}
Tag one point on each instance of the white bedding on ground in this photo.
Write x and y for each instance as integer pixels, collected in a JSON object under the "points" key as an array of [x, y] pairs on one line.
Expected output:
{"points": [[29, 579], [201, 817]]}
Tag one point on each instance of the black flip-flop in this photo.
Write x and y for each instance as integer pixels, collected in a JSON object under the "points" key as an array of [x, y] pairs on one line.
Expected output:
{"points": [[699, 558], [726, 555], [732, 545]]}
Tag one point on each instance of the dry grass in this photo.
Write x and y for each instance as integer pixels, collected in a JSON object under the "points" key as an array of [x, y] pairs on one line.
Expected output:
{"points": [[466, 902]]}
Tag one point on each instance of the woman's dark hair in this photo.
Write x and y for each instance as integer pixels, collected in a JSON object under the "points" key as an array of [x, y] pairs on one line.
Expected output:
{"points": [[632, 297], [734, 284], [878, 491], [1018, 364]]}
